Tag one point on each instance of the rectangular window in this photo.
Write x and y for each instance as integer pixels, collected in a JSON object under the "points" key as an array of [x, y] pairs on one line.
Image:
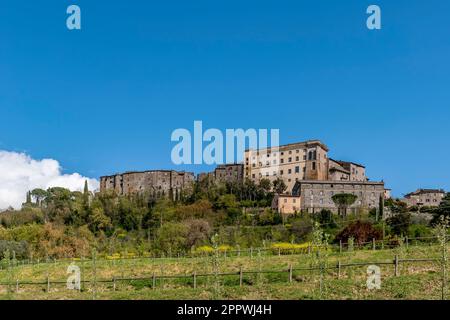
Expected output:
{"points": [[297, 169], [314, 166], [289, 171]]}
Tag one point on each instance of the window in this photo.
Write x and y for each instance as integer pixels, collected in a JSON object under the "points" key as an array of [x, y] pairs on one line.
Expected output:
{"points": [[281, 160], [289, 171], [290, 159], [253, 176], [304, 157], [297, 169], [297, 158], [281, 172], [314, 166], [290, 152], [297, 151]]}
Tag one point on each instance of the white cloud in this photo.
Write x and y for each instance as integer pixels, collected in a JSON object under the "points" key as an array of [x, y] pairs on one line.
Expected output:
{"points": [[20, 173]]}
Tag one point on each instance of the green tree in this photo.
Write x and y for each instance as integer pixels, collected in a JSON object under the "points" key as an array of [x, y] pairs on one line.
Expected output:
{"points": [[39, 195], [279, 186], [442, 210], [86, 194]]}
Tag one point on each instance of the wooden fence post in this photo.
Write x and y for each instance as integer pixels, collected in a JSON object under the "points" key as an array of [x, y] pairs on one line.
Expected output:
{"points": [[340, 246], [290, 273], [48, 284], [339, 268], [195, 279], [396, 265], [153, 281], [373, 244], [407, 242], [241, 276], [251, 252]]}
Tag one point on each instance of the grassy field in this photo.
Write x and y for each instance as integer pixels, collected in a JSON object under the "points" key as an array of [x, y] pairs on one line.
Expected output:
{"points": [[269, 277]]}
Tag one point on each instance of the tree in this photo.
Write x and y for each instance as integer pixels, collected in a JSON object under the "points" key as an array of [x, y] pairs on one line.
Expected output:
{"points": [[265, 185], [343, 201], [325, 217], [279, 186], [86, 194], [98, 220], [400, 223], [442, 210], [198, 232]]}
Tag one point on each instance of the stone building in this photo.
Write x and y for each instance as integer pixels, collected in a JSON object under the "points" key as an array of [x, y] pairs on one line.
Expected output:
{"points": [[159, 183], [313, 195], [299, 161], [425, 197], [225, 173], [292, 162], [344, 170], [286, 204]]}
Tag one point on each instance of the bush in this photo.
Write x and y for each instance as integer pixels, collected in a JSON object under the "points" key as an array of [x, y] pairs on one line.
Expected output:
{"points": [[418, 231], [20, 249], [286, 248]]}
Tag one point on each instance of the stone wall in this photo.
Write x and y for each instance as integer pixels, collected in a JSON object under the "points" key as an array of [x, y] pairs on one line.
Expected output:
{"points": [[156, 182]]}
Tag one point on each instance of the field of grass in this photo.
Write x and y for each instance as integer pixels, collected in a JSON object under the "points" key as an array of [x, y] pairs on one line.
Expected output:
{"points": [[269, 277]]}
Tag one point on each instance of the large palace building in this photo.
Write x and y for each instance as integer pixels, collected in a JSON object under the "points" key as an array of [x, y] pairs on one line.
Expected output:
{"points": [[299, 161], [312, 177]]}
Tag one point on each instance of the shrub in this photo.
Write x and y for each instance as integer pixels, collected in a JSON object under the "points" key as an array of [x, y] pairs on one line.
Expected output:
{"points": [[286, 247], [20, 249]]}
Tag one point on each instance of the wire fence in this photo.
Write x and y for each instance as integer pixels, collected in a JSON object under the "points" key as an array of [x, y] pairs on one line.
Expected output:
{"points": [[240, 276], [375, 244]]}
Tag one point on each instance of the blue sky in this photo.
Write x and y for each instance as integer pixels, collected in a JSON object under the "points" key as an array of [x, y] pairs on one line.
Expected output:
{"points": [[107, 98]]}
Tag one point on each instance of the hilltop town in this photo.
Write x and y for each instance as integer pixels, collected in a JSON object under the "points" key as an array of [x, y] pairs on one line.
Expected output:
{"points": [[310, 176]]}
